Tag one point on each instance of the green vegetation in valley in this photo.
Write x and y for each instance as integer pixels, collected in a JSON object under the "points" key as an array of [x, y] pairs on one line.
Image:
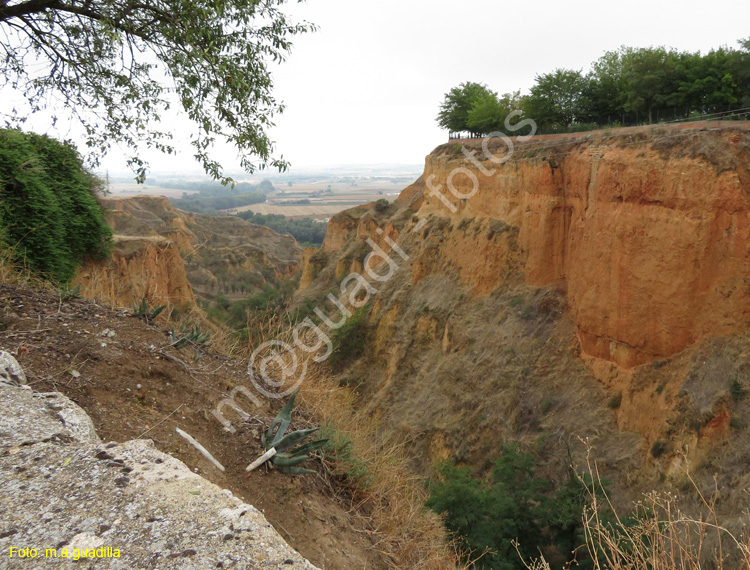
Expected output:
{"points": [[627, 86], [251, 316], [211, 187], [212, 204], [49, 215], [514, 504], [209, 197], [305, 230], [270, 299]]}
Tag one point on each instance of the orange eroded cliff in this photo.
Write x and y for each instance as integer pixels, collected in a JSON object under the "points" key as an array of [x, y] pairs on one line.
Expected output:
{"points": [[150, 269], [170, 256], [647, 232]]}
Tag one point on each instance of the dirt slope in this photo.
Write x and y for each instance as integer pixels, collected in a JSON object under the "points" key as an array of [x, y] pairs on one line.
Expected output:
{"points": [[121, 371]]}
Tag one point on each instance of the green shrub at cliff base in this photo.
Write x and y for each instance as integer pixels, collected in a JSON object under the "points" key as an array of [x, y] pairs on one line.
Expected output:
{"points": [[487, 516], [49, 214]]}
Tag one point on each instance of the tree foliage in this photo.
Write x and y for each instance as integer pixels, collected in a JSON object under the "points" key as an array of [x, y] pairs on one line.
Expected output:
{"points": [[202, 204], [113, 64], [49, 214], [304, 230], [625, 86], [458, 102], [490, 112], [555, 98], [513, 505]]}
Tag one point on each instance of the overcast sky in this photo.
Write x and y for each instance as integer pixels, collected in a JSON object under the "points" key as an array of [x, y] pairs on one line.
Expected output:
{"points": [[365, 88]]}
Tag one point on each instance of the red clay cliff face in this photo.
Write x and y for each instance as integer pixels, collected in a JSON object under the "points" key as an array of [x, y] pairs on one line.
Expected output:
{"points": [[650, 238], [648, 233]]}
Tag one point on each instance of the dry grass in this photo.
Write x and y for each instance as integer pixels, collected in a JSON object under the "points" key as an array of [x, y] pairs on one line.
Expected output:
{"points": [[381, 489], [100, 286], [384, 491], [14, 272], [658, 535], [101, 283]]}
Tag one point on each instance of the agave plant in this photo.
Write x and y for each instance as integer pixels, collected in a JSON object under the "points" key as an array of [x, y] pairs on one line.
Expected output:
{"points": [[287, 455], [144, 311], [194, 337], [189, 337]]}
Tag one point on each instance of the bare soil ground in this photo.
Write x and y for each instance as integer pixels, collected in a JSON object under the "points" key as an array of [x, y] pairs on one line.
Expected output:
{"points": [[133, 384]]}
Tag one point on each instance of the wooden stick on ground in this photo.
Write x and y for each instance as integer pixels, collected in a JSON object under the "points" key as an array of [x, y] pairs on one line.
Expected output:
{"points": [[200, 448], [261, 460]]}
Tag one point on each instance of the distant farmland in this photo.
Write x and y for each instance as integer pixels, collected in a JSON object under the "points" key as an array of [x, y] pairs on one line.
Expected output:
{"points": [[317, 195], [301, 211]]}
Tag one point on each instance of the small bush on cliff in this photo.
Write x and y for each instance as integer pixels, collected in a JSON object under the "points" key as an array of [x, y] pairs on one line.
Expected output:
{"points": [[49, 214], [381, 205], [349, 339], [514, 504]]}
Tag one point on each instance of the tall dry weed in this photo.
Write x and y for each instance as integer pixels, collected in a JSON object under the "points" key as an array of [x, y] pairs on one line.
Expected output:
{"points": [[658, 535]]}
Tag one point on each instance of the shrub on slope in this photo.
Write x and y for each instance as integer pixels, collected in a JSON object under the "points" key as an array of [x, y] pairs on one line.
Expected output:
{"points": [[49, 214]]}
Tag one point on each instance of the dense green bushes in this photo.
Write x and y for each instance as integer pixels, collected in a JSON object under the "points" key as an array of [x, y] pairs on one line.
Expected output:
{"points": [[49, 214], [349, 339], [514, 504], [305, 230]]}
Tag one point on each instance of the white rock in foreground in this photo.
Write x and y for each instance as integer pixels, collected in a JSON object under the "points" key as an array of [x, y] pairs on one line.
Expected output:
{"points": [[62, 489]]}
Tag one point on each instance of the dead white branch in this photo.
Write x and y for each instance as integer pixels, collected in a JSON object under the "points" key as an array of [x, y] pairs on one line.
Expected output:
{"points": [[200, 448], [261, 460]]}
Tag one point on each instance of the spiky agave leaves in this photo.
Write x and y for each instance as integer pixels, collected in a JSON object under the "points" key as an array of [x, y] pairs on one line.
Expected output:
{"points": [[142, 310], [286, 458]]}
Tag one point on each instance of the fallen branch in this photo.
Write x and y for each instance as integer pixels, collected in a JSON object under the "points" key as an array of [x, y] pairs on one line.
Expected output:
{"points": [[200, 448], [261, 460], [21, 333]]}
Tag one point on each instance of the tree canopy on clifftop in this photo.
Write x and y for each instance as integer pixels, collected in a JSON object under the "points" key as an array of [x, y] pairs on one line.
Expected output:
{"points": [[116, 65], [623, 87]]}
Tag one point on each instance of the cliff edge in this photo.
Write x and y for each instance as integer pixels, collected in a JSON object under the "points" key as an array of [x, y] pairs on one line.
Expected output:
{"points": [[645, 232], [124, 505]]}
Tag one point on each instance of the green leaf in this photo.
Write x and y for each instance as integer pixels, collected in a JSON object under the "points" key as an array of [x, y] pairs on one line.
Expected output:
{"points": [[312, 446], [295, 470], [279, 425], [156, 312], [293, 439], [283, 460]]}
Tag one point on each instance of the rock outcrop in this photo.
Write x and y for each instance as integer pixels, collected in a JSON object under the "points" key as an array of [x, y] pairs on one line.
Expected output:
{"points": [[169, 256], [114, 506], [150, 268], [574, 290]]}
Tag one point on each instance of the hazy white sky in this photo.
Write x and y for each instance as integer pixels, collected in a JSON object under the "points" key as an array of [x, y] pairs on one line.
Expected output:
{"points": [[365, 88]]}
